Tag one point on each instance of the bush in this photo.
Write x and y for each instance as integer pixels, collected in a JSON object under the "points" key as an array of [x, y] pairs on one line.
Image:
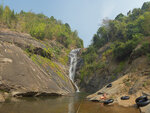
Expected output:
{"points": [[120, 67], [148, 56], [146, 47], [123, 50], [40, 26], [37, 31]]}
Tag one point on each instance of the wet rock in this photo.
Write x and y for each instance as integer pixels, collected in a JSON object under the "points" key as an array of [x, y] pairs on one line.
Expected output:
{"points": [[24, 94], [34, 94]]}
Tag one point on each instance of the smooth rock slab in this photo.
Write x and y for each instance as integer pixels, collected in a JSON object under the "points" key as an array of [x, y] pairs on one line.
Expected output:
{"points": [[19, 73]]}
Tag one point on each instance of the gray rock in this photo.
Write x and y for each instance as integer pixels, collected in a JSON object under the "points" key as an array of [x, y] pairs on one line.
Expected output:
{"points": [[20, 74]]}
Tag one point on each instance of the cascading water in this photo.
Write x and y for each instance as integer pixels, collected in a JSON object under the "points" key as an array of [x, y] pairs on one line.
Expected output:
{"points": [[73, 63]]}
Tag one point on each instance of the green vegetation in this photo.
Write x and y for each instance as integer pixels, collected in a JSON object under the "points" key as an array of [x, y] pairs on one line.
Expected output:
{"points": [[90, 64], [120, 67], [148, 56], [56, 52], [45, 62], [40, 26], [56, 38], [42, 57], [123, 35], [122, 50], [124, 28], [144, 49]]}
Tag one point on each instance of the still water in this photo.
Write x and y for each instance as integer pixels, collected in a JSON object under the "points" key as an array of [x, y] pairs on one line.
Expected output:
{"points": [[64, 104]]}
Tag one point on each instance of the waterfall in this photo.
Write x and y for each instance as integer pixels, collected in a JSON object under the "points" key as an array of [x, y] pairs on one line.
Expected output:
{"points": [[73, 63]]}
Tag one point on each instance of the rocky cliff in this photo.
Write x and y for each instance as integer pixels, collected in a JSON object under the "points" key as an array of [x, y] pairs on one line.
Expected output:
{"points": [[30, 67]]}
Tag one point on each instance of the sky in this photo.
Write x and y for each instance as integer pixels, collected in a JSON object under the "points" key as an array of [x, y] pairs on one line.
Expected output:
{"points": [[85, 16]]}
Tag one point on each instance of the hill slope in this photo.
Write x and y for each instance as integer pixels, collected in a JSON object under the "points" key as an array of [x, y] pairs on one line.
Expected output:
{"points": [[34, 54], [30, 72], [119, 54], [115, 49]]}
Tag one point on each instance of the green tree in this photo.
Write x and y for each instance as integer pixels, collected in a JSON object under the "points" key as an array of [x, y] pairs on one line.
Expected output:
{"points": [[7, 15], [135, 14], [119, 17], [146, 24], [146, 6], [1, 11], [38, 31]]}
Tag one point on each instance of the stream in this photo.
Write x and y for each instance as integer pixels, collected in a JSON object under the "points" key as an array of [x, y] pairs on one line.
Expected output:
{"points": [[74, 103]]}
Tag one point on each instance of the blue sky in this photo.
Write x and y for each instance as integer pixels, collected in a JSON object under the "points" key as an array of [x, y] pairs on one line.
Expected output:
{"points": [[85, 16]]}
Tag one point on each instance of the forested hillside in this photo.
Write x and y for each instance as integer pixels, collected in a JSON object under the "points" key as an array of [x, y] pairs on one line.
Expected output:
{"points": [[39, 26], [115, 45], [34, 53]]}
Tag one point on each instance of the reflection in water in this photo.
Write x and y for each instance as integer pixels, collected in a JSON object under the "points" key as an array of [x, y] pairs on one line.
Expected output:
{"points": [[74, 103], [71, 108], [60, 105]]}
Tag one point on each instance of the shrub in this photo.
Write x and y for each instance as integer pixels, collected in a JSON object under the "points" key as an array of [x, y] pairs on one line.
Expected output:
{"points": [[40, 26], [120, 67], [145, 47], [123, 50], [148, 55], [37, 31]]}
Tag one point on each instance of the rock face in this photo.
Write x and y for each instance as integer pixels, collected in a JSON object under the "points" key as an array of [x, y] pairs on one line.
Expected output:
{"points": [[20, 76]]}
